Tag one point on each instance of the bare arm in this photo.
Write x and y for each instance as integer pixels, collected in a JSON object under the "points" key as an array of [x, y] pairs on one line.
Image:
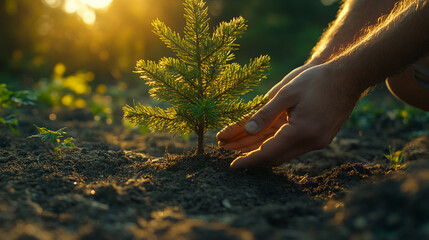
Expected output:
{"points": [[353, 21], [320, 99], [400, 40], [352, 18]]}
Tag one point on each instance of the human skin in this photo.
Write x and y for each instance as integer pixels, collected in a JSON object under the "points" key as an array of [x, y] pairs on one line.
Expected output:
{"points": [[308, 108], [348, 26]]}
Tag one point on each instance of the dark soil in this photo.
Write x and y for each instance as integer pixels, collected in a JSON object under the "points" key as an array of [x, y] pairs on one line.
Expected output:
{"points": [[119, 184]]}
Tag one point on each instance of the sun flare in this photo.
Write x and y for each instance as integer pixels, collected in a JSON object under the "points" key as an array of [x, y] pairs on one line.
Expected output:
{"points": [[97, 3], [84, 8]]}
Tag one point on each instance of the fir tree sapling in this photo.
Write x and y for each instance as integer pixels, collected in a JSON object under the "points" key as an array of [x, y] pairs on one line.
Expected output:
{"points": [[201, 84]]}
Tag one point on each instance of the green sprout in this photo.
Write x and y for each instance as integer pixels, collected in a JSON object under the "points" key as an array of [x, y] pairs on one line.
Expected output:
{"points": [[55, 137], [396, 158], [201, 85], [368, 113], [11, 100]]}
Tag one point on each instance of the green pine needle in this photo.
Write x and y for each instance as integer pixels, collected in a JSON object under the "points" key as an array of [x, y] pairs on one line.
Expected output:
{"points": [[201, 84]]}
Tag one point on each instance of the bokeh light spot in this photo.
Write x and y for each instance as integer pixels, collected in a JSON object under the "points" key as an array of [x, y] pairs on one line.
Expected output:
{"points": [[328, 2], [52, 3], [88, 16], [85, 8], [80, 103], [71, 6], [59, 69], [97, 3], [101, 88], [52, 116], [67, 100], [122, 86]]}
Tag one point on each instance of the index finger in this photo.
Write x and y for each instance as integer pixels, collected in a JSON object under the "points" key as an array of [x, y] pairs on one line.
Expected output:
{"points": [[273, 152], [232, 132]]}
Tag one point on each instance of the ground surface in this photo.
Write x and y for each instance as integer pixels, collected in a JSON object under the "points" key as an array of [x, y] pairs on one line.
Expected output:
{"points": [[119, 184]]}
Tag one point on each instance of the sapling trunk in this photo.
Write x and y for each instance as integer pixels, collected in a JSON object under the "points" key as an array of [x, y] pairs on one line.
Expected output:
{"points": [[200, 147]]}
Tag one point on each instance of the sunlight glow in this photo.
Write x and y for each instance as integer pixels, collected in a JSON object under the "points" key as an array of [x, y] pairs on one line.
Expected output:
{"points": [[71, 6], [85, 9], [97, 3], [52, 3], [88, 16]]}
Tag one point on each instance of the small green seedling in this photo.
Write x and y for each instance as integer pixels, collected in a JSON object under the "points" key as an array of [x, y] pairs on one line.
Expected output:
{"points": [[11, 122], [54, 137], [11, 100], [201, 85], [395, 157]]}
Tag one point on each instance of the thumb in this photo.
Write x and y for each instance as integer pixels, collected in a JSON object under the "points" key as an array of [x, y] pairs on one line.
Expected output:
{"points": [[266, 116]]}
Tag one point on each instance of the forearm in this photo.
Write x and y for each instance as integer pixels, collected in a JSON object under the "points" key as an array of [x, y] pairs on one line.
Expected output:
{"points": [[353, 18], [397, 42]]}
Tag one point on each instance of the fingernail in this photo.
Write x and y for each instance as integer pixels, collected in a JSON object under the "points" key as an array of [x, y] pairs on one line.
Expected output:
{"points": [[251, 127]]}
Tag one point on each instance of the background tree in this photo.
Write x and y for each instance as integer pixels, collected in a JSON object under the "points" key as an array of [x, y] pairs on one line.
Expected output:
{"points": [[36, 36]]}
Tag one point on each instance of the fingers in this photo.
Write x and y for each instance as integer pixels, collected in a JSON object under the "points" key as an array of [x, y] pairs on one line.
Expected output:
{"points": [[246, 143], [250, 148], [268, 114], [225, 141], [236, 133], [273, 152], [249, 140], [264, 117], [231, 132], [289, 142]]}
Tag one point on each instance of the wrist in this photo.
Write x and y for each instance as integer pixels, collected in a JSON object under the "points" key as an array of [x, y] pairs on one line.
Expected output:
{"points": [[347, 78]]}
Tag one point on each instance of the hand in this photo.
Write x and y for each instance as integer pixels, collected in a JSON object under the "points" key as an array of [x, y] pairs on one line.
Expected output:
{"points": [[317, 102], [235, 137]]}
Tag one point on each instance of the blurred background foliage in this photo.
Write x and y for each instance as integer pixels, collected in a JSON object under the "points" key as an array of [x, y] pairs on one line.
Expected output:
{"points": [[99, 41], [80, 54]]}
